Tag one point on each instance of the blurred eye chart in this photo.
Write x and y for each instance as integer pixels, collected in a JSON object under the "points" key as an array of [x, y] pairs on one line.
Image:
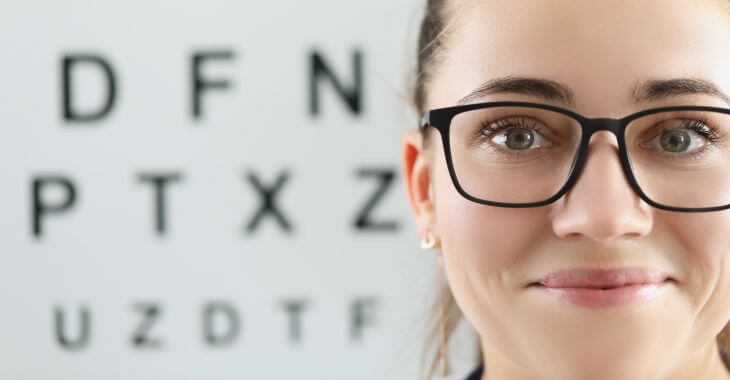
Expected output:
{"points": [[208, 190]]}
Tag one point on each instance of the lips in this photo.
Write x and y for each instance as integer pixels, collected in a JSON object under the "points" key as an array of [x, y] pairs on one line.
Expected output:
{"points": [[600, 288], [602, 278]]}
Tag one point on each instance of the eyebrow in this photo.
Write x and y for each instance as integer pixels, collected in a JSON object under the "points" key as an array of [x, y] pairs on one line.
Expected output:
{"points": [[643, 91]]}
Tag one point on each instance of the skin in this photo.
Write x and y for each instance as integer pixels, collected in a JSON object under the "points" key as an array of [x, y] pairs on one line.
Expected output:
{"points": [[600, 49]]}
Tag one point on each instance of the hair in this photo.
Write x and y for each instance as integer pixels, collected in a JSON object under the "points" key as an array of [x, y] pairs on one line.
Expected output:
{"points": [[433, 32], [435, 26]]}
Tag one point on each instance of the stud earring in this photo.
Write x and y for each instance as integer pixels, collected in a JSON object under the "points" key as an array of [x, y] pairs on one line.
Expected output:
{"points": [[429, 241]]}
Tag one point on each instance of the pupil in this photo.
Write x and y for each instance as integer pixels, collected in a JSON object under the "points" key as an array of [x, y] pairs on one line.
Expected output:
{"points": [[676, 141], [519, 139]]}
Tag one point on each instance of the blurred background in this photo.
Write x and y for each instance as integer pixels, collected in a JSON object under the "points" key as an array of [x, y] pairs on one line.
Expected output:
{"points": [[209, 190]]}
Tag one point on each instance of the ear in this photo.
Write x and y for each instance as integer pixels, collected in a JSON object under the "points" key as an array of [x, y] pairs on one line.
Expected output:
{"points": [[416, 167]]}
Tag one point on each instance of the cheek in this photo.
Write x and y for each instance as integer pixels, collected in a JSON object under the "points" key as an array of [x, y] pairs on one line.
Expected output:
{"points": [[484, 247], [705, 240], [490, 239]]}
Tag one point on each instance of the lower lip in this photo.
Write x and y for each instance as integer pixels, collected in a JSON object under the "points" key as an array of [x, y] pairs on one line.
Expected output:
{"points": [[598, 298]]}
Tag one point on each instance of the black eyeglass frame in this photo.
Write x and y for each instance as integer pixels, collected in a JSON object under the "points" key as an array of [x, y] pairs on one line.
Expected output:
{"points": [[440, 119]]}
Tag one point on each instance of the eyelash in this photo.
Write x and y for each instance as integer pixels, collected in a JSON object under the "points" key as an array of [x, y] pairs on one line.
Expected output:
{"points": [[710, 133]]}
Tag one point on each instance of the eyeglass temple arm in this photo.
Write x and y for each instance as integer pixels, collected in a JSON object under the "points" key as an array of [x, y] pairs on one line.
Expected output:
{"points": [[425, 120]]}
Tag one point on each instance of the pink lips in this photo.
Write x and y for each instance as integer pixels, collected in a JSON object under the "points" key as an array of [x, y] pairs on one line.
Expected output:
{"points": [[595, 288]]}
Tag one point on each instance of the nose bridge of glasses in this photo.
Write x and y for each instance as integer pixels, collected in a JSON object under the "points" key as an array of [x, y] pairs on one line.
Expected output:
{"points": [[591, 126], [605, 149]]}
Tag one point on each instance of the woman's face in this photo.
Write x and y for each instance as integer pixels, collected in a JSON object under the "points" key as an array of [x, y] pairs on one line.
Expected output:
{"points": [[600, 50]]}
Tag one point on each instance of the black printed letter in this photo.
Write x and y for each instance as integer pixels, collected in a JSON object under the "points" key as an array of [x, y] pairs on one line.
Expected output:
{"points": [[67, 64], [351, 96], [228, 312], [294, 309], [41, 208], [361, 316], [200, 84], [362, 220], [84, 331], [160, 181], [150, 311], [268, 206]]}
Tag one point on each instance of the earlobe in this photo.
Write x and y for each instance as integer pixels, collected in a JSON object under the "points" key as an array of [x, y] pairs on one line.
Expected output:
{"points": [[416, 167]]}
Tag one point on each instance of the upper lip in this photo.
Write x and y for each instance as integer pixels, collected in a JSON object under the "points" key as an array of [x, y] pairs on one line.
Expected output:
{"points": [[602, 278]]}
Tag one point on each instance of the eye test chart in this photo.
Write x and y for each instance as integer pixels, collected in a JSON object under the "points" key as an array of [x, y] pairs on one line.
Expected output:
{"points": [[208, 190]]}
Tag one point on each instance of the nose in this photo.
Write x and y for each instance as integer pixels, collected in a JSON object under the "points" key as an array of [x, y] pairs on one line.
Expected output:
{"points": [[601, 205]]}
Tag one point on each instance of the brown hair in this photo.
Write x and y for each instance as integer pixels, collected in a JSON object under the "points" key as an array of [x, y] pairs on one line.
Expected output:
{"points": [[444, 314], [431, 37]]}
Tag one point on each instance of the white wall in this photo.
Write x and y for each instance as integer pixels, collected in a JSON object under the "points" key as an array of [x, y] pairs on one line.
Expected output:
{"points": [[103, 253]]}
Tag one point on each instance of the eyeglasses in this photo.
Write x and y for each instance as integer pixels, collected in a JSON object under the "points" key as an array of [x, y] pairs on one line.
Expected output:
{"points": [[521, 154]]}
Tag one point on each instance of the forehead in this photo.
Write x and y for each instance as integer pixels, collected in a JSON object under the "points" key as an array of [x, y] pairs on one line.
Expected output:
{"points": [[599, 48]]}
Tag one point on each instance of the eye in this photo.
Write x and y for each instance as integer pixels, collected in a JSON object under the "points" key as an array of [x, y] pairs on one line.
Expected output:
{"points": [[520, 139], [514, 134], [683, 138], [676, 141]]}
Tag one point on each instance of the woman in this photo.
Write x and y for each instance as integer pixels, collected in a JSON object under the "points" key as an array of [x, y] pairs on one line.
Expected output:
{"points": [[578, 247]]}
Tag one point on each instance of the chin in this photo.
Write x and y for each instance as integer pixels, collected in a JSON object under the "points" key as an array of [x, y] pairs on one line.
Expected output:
{"points": [[609, 367]]}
